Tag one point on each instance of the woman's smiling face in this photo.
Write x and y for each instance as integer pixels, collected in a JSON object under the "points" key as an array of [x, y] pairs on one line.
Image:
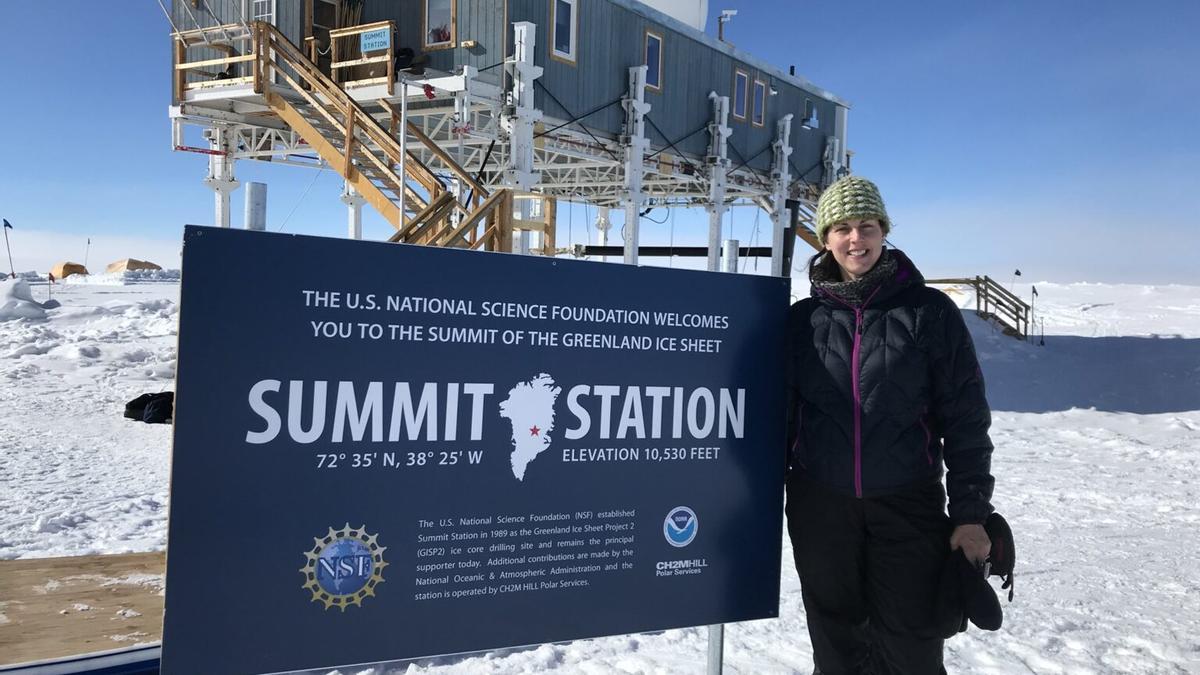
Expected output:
{"points": [[856, 245]]}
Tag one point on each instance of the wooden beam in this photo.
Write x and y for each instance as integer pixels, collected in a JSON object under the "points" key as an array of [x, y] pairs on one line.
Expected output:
{"points": [[809, 238], [347, 164], [180, 77], [421, 234], [359, 62], [448, 239], [504, 231], [550, 212], [416, 220], [249, 79], [214, 62], [447, 159], [361, 28]]}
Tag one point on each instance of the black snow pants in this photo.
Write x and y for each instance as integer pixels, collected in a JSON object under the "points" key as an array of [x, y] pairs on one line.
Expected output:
{"points": [[869, 574]]}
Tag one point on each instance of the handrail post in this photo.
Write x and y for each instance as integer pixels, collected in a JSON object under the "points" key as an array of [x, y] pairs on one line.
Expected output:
{"points": [[347, 165], [180, 76], [333, 58], [256, 40], [391, 59]]}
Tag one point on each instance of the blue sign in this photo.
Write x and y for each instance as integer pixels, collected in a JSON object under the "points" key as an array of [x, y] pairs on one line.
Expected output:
{"points": [[375, 40], [386, 451]]}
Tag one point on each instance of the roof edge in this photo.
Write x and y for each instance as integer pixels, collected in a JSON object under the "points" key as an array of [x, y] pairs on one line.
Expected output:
{"points": [[728, 49]]}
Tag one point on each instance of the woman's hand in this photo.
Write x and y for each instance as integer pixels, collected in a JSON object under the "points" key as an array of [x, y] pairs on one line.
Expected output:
{"points": [[974, 542]]}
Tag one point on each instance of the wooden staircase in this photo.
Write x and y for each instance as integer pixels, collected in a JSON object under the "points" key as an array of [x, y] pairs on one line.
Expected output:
{"points": [[410, 195]]}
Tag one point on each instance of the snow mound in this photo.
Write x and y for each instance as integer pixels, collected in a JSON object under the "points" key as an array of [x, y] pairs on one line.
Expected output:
{"points": [[125, 278], [16, 301]]}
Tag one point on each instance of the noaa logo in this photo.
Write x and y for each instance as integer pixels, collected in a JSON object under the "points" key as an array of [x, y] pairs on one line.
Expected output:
{"points": [[344, 567], [680, 526]]}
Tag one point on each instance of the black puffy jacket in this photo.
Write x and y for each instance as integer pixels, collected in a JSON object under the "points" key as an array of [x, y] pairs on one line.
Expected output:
{"points": [[883, 393]]}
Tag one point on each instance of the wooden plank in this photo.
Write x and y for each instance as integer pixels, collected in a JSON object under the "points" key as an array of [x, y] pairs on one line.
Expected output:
{"points": [[367, 82], [423, 231], [363, 61], [809, 238], [249, 79], [348, 147], [180, 78], [197, 32], [504, 231], [214, 62], [416, 220], [56, 607], [361, 28], [447, 159], [550, 211], [471, 220], [488, 234]]}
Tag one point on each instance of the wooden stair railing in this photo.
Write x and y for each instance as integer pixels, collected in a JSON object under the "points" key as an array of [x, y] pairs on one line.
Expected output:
{"points": [[993, 301]]}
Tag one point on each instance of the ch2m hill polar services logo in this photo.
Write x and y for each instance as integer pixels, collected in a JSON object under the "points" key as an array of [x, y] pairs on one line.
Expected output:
{"points": [[344, 567], [680, 526]]}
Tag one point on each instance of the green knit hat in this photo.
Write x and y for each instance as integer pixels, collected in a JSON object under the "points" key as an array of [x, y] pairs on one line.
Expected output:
{"points": [[850, 197]]}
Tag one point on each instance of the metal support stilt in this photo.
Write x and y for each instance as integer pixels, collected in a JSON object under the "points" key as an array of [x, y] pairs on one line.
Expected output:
{"points": [[254, 215], [603, 225], [729, 255], [635, 142], [354, 203], [220, 177], [718, 167], [518, 123], [780, 178]]}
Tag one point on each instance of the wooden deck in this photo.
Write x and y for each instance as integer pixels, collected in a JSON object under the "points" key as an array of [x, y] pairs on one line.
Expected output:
{"points": [[55, 607]]}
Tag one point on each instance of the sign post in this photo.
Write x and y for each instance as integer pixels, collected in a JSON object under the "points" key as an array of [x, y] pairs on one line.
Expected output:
{"points": [[422, 451]]}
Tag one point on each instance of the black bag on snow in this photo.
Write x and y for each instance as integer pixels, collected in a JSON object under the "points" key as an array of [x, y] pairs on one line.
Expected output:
{"points": [[151, 408]]}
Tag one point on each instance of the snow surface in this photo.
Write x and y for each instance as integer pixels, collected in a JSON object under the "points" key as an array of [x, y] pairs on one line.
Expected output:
{"points": [[1097, 462]]}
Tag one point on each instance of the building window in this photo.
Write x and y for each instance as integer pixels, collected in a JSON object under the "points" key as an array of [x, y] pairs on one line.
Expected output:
{"points": [[741, 85], [439, 23], [259, 10], [810, 115], [760, 103], [565, 24], [654, 61]]}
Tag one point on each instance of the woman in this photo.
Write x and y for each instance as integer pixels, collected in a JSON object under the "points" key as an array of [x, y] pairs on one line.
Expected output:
{"points": [[885, 387]]}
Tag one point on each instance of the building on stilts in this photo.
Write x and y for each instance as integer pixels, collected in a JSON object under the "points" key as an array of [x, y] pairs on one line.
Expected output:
{"points": [[463, 122]]}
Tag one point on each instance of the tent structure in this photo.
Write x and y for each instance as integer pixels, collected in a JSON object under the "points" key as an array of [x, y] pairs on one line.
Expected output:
{"points": [[131, 264], [65, 269]]}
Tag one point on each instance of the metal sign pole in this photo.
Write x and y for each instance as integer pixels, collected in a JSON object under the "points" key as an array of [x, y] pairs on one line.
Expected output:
{"points": [[716, 649], [716, 632], [6, 228], [403, 147]]}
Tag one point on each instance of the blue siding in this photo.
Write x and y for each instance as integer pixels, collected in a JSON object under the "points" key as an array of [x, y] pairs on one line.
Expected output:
{"points": [[611, 40], [478, 20]]}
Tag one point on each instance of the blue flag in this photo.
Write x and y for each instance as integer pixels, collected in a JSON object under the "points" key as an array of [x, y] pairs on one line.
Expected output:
{"points": [[7, 225]]}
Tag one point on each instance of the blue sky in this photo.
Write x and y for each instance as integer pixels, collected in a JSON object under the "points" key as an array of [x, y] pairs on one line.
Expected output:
{"points": [[1060, 137]]}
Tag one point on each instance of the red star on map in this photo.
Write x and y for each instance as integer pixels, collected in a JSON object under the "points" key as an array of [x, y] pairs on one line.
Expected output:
{"points": [[533, 430]]}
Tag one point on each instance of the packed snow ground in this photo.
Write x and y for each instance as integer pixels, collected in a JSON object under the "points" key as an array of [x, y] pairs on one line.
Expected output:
{"points": [[1097, 462]]}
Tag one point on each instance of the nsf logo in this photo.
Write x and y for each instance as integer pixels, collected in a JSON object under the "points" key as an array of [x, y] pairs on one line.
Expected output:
{"points": [[343, 567], [680, 526]]}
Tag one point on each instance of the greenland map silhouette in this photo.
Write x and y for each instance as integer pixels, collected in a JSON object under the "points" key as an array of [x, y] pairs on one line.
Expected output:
{"points": [[530, 409]]}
